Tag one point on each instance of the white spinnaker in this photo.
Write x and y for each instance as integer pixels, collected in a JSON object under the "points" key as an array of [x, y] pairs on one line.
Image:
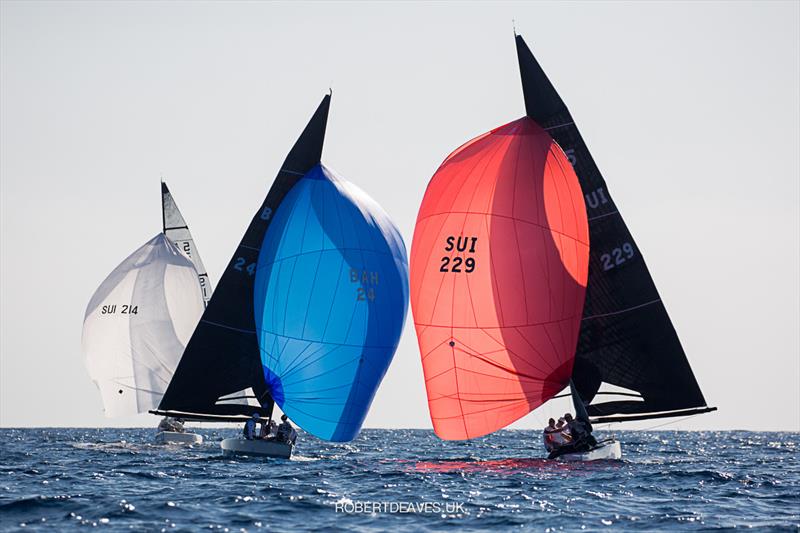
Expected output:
{"points": [[138, 323], [177, 231]]}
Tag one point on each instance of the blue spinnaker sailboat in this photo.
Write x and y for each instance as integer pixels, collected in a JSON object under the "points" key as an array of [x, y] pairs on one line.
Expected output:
{"points": [[331, 295]]}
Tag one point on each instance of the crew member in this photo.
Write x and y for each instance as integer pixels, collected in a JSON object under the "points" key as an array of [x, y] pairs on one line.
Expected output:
{"points": [[286, 433], [581, 432], [249, 430]]}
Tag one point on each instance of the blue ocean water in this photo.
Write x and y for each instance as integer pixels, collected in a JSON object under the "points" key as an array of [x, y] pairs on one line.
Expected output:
{"points": [[398, 480]]}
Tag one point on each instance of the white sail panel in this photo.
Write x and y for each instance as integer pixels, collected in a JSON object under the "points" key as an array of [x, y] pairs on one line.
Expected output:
{"points": [[138, 323], [177, 231]]}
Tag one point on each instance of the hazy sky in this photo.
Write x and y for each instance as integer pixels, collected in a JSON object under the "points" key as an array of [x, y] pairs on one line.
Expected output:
{"points": [[691, 110]]}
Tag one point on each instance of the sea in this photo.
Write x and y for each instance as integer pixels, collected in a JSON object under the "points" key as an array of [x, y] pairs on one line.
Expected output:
{"points": [[397, 480]]}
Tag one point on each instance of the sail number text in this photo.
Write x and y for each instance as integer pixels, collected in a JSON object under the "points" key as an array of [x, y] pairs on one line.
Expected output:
{"points": [[618, 256], [186, 246], [123, 310], [368, 281], [465, 245], [596, 198], [240, 265]]}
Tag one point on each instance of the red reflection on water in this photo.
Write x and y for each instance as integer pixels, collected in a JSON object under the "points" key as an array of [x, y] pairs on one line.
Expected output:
{"points": [[509, 466]]}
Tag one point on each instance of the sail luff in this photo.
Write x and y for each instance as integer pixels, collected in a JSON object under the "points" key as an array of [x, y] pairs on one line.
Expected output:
{"points": [[223, 355], [626, 337]]}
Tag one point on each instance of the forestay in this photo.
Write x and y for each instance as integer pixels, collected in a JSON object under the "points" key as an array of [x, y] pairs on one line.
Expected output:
{"points": [[137, 324]]}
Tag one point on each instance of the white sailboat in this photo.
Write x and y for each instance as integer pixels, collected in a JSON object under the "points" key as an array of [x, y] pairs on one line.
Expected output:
{"points": [[139, 320]]}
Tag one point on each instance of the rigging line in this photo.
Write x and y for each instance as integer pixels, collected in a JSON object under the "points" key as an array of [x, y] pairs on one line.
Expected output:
{"points": [[622, 310], [294, 172], [672, 422], [603, 215], [227, 327], [558, 126]]}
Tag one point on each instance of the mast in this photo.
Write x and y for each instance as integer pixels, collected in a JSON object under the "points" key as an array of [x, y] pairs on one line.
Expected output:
{"points": [[626, 336], [577, 402], [223, 356]]}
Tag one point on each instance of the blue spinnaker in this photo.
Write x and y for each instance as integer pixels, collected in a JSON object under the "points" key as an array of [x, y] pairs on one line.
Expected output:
{"points": [[331, 295]]}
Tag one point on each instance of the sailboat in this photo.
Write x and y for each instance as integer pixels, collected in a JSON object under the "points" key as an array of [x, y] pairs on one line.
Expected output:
{"points": [[141, 317], [525, 280], [308, 313]]}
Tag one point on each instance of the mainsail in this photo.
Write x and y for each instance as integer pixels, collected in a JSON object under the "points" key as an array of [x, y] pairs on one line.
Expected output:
{"points": [[177, 231], [331, 298], [137, 324], [626, 336], [498, 275], [223, 355]]}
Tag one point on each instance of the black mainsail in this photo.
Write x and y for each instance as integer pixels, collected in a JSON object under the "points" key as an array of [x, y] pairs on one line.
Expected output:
{"points": [[223, 356], [626, 337]]}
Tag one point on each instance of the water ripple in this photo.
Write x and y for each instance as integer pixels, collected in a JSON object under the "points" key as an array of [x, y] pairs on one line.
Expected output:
{"points": [[411, 481]]}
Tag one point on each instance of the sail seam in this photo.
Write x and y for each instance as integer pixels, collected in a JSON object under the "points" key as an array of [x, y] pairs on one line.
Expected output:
{"points": [[622, 310], [603, 215], [558, 126], [229, 327]]}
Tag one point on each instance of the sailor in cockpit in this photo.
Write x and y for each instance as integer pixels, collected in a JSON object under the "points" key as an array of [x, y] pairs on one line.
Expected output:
{"points": [[249, 429], [171, 424], [555, 435], [574, 436], [286, 433]]}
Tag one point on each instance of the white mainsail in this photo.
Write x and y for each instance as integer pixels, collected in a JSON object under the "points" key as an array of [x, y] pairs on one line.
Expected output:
{"points": [[177, 231], [137, 325]]}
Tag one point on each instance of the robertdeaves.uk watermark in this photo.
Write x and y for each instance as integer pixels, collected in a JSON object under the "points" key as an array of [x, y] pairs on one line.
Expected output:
{"points": [[403, 507]]}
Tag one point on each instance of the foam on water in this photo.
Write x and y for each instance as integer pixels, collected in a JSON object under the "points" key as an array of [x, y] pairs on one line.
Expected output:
{"points": [[398, 480]]}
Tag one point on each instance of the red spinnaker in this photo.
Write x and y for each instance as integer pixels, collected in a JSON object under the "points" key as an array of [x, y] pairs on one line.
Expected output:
{"points": [[499, 264]]}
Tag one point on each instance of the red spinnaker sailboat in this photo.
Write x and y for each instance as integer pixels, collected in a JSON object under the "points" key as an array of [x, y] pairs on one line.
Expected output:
{"points": [[510, 302]]}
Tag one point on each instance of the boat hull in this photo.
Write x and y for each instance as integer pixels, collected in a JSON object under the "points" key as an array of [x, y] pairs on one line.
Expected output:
{"points": [[606, 451], [260, 448], [173, 437]]}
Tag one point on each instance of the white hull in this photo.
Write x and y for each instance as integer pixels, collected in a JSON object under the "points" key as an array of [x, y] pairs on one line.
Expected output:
{"points": [[262, 448], [609, 451], [173, 437]]}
